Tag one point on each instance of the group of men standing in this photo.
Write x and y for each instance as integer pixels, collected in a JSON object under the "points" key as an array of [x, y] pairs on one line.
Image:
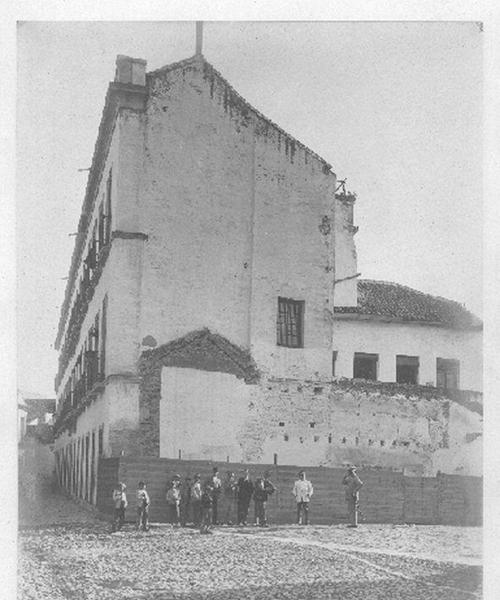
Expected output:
{"points": [[217, 501], [201, 502]]}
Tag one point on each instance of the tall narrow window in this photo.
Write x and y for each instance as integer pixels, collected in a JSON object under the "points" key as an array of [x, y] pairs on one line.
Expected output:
{"points": [[92, 356], [101, 440], [334, 360], [92, 470], [447, 373], [102, 349], [406, 369], [101, 229], [290, 323], [91, 260], [87, 464], [365, 366], [109, 186]]}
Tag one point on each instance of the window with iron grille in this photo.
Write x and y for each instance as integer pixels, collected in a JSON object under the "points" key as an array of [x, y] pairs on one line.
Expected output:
{"points": [[290, 323]]}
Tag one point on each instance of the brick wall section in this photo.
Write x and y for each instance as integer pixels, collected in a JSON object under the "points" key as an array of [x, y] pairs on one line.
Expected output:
{"points": [[107, 477], [374, 425], [387, 496], [198, 350]]}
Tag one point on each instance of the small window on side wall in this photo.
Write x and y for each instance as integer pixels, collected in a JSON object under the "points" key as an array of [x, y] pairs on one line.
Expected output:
{"points": [[290, 323], [447, 373], [365, 366], [334, 360], [406, 369]]}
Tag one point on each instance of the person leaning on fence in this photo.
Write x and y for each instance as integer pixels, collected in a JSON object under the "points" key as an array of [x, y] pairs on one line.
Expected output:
{"points": [[173, 501], [302, 490], [196, 493], [142, 507], [352, 484], [120, 504], [244, 495]]}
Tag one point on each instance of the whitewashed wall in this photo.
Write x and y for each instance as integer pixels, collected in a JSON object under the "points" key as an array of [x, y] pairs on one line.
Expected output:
{"points": [[427, 342]]}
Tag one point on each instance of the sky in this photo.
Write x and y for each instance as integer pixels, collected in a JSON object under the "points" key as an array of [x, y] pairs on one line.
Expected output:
{"points": [[396, 108]]}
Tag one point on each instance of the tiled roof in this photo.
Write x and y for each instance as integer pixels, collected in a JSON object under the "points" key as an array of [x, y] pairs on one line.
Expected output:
{"points": [[393, 301]]}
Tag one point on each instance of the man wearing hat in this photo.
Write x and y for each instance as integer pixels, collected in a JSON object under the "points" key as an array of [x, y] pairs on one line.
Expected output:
{"points": [[352, 484]]}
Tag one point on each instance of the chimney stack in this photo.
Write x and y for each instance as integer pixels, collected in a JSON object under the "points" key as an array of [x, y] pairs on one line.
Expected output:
{"points": [[199, 37], [130, 70]]}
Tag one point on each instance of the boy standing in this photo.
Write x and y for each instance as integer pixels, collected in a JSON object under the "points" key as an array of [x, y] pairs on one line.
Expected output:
{"points": [[173, 501], [142, 507], [120, 504], [302, 490]]}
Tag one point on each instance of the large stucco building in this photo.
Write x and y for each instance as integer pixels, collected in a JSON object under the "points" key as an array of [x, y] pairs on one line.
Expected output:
{"points": [[213, 308]]}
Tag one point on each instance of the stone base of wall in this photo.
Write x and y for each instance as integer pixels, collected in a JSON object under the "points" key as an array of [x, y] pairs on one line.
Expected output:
{"points": [[386, 497]]}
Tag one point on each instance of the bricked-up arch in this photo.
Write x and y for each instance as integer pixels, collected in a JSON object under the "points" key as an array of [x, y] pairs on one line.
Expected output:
{"points": [[201, 350]]}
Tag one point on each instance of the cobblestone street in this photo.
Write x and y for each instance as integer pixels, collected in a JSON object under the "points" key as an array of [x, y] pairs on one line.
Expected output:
{"points": [[67, 552]]}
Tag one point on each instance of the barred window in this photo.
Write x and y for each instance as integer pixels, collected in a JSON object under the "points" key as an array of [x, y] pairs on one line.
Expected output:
{"points": [[290, 323]]}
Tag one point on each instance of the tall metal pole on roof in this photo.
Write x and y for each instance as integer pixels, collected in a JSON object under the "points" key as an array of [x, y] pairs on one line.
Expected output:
{"points": [[199, 37]]}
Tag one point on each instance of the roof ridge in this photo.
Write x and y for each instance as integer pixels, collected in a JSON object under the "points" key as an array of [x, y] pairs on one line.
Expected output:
{"points": [[177, 64], [407, 287], [201, 58], [378, 297]]}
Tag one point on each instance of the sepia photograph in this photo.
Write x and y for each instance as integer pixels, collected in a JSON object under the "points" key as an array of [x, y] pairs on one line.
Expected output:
{"points": [[249, 309]]}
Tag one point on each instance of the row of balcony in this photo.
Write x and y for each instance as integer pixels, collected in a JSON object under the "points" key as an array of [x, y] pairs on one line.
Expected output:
{"points": [[80, 309], [78, 393]]}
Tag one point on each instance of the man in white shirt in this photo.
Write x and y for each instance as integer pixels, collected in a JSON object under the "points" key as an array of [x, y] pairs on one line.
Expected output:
{"points": [[216, 484], [142, 507], [302, 490]]}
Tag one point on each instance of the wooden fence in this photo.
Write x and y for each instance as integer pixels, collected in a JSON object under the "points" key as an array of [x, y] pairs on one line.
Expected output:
{"points": [[386, 497]]}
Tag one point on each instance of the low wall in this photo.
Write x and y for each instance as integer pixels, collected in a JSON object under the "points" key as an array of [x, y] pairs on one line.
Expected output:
{"points": [[386, 497]]}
